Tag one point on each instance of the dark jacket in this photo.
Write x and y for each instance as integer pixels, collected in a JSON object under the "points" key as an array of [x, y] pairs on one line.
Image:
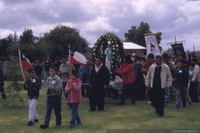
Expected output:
{"points": [[181, 78], [38, 69], [57, 65], [47, 65], [100, 78], [1, 77], [138, 72], [33, 87]]}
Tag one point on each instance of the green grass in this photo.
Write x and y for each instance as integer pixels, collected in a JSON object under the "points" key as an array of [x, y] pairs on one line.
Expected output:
{"points": [[138, 116]]}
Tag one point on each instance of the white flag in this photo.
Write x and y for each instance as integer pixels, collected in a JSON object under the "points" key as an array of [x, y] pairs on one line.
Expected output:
{"points": [[152, 45]]}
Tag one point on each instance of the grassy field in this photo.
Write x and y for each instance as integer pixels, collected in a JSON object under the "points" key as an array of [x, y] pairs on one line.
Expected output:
{"points": [[121, 119]]}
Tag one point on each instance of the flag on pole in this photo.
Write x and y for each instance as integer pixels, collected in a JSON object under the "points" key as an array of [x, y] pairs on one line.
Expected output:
{"points": [[78, 58], [179, 49], [152, 45], [25, 63]]}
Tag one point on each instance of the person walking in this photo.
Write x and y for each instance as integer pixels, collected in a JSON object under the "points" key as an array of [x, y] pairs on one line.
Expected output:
{"points": [[181, 83], [53, 89], [73, 88], [33, 86], [158, 79]]}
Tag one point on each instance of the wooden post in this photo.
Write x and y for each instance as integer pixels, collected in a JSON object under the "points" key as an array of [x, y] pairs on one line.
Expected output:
{"points": [[70, 68], [19, 52], [175, 39]]}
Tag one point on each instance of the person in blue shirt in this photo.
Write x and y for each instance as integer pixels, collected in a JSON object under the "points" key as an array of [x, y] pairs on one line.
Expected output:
{"points": [[181, 83], [85, 77]]}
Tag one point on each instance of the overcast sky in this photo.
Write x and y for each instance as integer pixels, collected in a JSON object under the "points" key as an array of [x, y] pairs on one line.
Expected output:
{"points": [[180, 18]]}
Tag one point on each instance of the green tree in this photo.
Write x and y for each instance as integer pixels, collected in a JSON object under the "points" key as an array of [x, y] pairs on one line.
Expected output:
{"points": [[4, 49], [26, 44], [32, 46], [59, 38], [136, 34], [7, 46], [14, 45]]}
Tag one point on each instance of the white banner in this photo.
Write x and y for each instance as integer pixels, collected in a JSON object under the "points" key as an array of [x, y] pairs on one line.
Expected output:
{"points": [[152, 45]]}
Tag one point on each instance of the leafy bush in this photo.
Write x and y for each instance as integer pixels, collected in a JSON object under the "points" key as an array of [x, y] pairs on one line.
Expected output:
{"points": [[12, 85]]}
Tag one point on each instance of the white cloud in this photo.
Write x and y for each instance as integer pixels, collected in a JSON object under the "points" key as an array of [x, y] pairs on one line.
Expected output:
{"points": [[5, 32], [100, 23], [96, 17], [2, 7]]}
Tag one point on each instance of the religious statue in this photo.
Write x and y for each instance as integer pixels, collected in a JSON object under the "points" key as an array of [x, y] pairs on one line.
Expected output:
{"points": [[108, 52]]}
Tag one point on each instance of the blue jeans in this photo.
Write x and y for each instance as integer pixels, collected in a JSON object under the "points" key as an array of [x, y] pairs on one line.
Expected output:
{"points": [[181, 96], [53, 102], [46, 75], [65, 93], [131, 90], [167, 95], [75, 119], [39, 78]]}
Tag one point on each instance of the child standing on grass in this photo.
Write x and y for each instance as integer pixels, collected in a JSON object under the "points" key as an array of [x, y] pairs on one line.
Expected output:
{"points": [[32, 85], [53, 89], [73, 89], [180, 84]]}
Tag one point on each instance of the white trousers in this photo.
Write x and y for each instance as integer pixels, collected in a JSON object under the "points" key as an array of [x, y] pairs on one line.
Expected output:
{"points": [[32, 113]]}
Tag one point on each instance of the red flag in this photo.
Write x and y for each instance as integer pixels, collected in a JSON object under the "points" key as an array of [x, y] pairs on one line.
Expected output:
{"points": [[25, 63], [78, 58]]}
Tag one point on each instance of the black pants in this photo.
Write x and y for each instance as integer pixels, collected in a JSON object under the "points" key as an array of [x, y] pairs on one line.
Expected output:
{"points": [[115, 93], [3, 93], [96, 98], [140, 90], [193, 91], [158, 100], [85, 90]]}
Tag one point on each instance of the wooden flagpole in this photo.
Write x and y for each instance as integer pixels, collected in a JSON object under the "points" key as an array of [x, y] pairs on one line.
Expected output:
{"points": [[19, 52], [70, 68], [175, 39]]}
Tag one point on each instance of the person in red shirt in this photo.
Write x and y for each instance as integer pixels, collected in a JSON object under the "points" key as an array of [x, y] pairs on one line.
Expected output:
{"points": [[127, 72], [145, 68], [148, 63]]}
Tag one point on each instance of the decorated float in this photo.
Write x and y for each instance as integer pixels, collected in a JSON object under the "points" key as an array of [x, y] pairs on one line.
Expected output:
{"points": [[110, 48]]}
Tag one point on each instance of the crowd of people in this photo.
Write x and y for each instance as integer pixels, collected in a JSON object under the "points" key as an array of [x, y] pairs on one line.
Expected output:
{"points": [[155, 75]]}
